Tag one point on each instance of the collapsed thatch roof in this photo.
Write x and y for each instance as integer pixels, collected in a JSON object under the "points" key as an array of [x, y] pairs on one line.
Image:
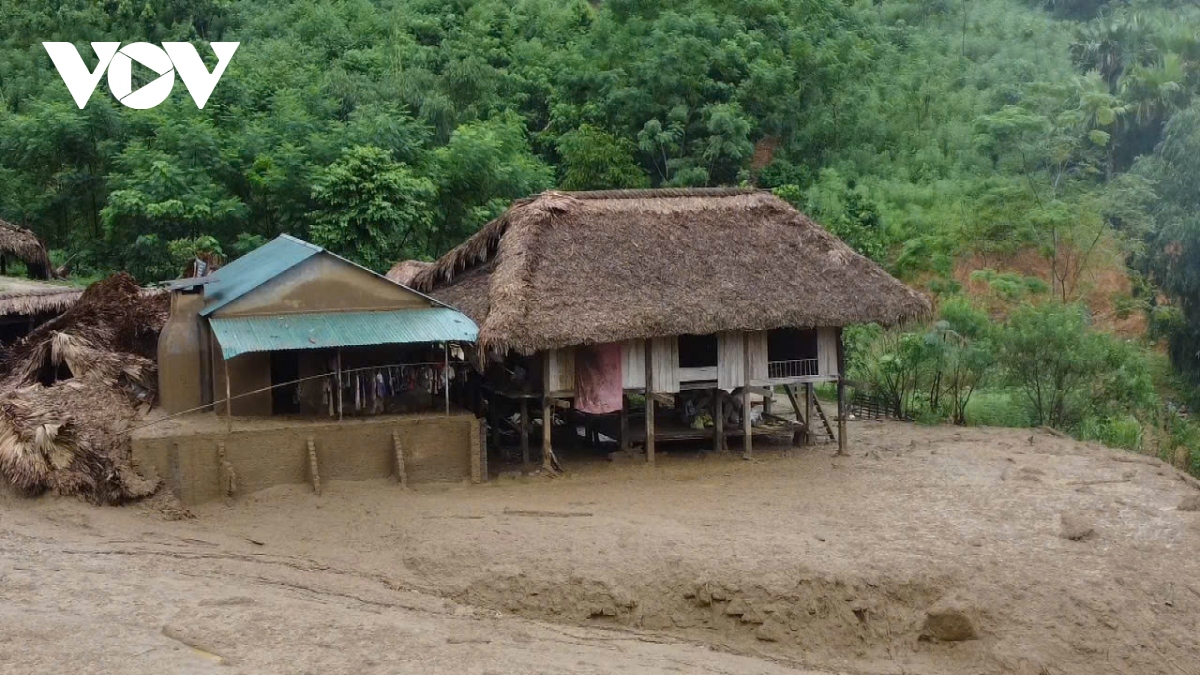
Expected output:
{"points": [[68, 436], [29, 298], [563, 269], [405, 271], [23, 244]]}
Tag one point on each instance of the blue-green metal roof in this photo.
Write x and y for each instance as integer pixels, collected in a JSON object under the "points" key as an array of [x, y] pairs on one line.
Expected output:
{"points": [[245, 334], [255, 269]]}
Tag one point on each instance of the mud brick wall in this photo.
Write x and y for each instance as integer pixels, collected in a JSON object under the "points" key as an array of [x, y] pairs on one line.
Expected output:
{"points": [[261, 456]]}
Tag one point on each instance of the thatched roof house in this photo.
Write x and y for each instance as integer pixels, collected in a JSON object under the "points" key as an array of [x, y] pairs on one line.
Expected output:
{"points": [[564, 269], [669, 293], [405, 271], [24, 245]]}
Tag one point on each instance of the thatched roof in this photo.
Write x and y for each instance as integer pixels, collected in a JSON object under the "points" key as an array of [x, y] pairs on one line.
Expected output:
{"points": [[23, 244], [68, 436], [563, 269], [29, 298], [405, 271]]}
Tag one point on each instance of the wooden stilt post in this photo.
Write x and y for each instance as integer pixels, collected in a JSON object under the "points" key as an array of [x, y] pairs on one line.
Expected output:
{"points": [[547, 431], [445, 376], [525, 460], [649, 403], [339, 384], [809, 393], [841, 394], [228, 397], [493, 420], [718, 421], [747, 430], [624, 424]]}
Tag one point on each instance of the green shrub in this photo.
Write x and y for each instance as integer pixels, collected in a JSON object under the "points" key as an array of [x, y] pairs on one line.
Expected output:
{"points": [[1121, 432]]}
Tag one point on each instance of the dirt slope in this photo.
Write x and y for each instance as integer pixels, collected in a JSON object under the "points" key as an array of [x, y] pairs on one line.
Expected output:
{"points": [[800, 560]]}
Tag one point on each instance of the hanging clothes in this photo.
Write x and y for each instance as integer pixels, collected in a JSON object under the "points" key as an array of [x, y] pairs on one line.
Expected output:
{"points": [[598, 382]]}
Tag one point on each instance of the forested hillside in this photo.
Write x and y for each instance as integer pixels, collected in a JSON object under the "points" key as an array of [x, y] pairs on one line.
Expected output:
{"points": [[1007, 156]]}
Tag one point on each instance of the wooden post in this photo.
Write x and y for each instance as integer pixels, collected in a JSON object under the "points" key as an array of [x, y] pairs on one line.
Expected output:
{"points": [[228, 396], [493, 420], [524, 431], [401, 472], [748, 451], [446, 376], [649, 402], [547, 430], [718, 422], [339, 384], [809, 393], [841, 394], [624, 424], [313, 474], [225, 474]]}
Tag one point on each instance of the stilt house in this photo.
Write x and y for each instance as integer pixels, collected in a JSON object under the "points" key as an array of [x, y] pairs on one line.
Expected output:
{"points": [[665, 291]]}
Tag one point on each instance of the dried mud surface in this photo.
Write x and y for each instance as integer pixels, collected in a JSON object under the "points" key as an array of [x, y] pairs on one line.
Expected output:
{"points": [[1055, 556]]}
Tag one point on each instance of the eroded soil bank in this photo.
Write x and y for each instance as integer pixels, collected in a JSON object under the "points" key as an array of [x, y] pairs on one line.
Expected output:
{"points": [[793, 560]]}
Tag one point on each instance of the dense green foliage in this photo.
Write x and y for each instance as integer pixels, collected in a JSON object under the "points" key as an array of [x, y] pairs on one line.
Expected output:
{"points": [[929, 134], [917, 130]]}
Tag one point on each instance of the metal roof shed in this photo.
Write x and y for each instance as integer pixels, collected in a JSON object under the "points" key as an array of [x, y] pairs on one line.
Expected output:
{"points": [[287, 296]]}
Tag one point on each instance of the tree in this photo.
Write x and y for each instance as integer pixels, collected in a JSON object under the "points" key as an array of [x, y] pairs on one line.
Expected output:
{"points": [[595, 160], [1068, 372], [371, 208], [1174, 261]]}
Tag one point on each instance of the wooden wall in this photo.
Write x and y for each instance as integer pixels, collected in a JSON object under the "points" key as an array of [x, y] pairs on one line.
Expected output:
{"points": [[559, 373], [664, 361], [827, 339], [633, 364]]}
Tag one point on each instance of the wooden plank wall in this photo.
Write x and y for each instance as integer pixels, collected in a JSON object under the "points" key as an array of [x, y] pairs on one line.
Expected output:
{"points": [[730, 360], [756, 342], [664, 360], [559, 376], [827, 351], [633, 364]]}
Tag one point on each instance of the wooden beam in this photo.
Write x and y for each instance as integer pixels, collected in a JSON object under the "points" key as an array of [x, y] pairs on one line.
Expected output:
{"points": [[718, 422], [747, 431], [339, 383], [841, 393], [810, 396], [649, 403], [548, 460], [662, 398], [228, 396], [445, 376], [525, 459], [624, 423]]}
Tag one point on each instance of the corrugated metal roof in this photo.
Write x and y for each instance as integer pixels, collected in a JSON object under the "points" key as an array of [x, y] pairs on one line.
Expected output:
{"points": [[255, 269], [244, 334]]}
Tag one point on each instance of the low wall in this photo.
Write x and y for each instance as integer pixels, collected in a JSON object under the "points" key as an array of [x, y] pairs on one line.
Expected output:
{"points": [[261, 453]]}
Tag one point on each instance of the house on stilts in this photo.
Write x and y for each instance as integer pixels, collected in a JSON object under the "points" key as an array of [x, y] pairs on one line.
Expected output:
{"points": [[707, 298]]}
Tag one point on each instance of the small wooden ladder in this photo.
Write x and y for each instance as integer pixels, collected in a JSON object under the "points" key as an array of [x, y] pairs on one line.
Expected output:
{"points": [[825, 426]]}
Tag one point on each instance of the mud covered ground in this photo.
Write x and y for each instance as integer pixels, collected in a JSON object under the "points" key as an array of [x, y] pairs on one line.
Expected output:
{"points": [[706, 563]]}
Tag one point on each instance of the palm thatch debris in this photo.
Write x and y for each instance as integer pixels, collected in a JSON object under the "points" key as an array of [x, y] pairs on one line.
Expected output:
{"points": [[73, 386], [24, 245], [24, 300], [563, 269], [405, 271]]}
